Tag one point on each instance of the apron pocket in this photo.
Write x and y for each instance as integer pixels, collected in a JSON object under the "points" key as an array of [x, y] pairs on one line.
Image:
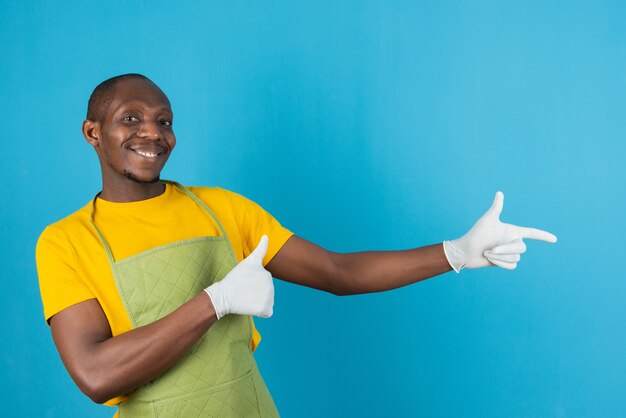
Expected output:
{"points": [[236, 398]]}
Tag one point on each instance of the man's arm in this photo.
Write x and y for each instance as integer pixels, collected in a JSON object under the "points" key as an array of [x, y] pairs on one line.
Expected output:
{"points": [[489, 242], [105, 367], [302, 262]]}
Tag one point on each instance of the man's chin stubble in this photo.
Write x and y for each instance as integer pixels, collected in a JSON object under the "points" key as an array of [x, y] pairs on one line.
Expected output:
{"points": [[132, 177]]}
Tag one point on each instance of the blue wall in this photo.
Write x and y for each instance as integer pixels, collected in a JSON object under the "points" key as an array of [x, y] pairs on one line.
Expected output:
{"points": [[359, 125]]}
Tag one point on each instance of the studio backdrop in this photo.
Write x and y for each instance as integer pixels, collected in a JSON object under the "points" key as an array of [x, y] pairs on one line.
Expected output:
{"points": [[359, 125]]}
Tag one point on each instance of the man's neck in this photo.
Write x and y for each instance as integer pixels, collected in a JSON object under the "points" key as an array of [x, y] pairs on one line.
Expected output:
{"points": [[131, 191]]}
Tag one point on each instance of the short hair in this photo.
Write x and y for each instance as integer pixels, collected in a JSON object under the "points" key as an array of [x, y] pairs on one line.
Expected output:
{"points": [[102, 95]]}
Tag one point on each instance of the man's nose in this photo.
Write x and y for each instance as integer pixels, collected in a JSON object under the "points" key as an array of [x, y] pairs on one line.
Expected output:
{"points": [[150, 130]]}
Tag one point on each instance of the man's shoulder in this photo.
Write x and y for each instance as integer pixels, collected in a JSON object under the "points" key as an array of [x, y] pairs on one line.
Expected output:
{"points": [[223, 201], [72, 223], [206, 189], [212, 193]]}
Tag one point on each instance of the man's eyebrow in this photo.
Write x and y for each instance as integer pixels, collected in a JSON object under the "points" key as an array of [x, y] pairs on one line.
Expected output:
{"points": [[126, 105]]}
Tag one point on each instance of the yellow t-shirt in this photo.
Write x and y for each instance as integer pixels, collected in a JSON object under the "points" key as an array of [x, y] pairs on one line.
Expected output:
{"points": [[73, 266]]}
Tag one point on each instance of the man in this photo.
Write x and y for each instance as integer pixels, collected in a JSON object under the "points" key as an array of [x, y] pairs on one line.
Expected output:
{"points": [[149, 289]]}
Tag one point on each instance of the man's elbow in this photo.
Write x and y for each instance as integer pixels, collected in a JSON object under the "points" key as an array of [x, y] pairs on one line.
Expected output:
{"points": [[340, 291], [339, 283], [349, 276], [95, 387], [97, 397], [96, 394]]}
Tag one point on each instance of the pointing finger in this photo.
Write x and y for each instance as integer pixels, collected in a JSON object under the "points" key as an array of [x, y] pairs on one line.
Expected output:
{"points": [[533, 233], [260, 250]]}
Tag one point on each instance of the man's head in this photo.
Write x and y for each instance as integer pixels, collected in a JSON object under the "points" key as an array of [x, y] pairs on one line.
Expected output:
{"points": [[102, 95], [129, 124]]}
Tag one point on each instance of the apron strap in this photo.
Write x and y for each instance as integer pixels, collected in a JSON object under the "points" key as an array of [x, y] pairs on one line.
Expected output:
{"points": [[199, 202], [182, 188], [100, 234]]}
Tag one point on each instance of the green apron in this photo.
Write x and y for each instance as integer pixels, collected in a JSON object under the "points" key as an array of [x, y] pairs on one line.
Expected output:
{"points": [[218, 377]]}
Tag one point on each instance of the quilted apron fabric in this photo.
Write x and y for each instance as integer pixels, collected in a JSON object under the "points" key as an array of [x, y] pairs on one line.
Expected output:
{"points": [[218, 377]]}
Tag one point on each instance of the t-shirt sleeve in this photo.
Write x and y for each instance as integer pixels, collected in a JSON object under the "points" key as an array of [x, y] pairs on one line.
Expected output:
{"points": [[59, 283], [254, 222]]}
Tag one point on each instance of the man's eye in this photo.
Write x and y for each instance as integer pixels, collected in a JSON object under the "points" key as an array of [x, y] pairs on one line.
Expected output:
{"points": [[166, 122], [130, 118]]}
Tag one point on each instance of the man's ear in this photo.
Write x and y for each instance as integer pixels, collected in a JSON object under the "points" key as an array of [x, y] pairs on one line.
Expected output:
{"points": [[91, 132]]}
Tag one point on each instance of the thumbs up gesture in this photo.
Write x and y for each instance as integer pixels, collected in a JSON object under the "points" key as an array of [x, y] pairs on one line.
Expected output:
{"points": [[247, 289], [491, 242]]}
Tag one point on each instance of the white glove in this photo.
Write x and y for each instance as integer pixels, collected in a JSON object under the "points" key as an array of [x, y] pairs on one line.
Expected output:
{"points": [[247, 289], [492, 242]]}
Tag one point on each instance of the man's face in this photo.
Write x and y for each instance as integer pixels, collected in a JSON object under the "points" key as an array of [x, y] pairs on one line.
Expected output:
{"points": [[136, 135]]}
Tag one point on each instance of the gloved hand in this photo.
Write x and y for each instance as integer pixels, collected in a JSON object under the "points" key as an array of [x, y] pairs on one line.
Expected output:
{"points": [[492, 242], [247, 289]]}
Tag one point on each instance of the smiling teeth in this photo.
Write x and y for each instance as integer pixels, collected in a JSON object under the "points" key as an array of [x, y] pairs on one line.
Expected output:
{"points": [[147, 154]]}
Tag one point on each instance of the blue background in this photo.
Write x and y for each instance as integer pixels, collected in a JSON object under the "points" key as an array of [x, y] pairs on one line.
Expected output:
{"points": [[359, 125]]}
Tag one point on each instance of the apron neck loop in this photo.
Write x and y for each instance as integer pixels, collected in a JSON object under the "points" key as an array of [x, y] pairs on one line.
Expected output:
{"points": [[182, 188]]}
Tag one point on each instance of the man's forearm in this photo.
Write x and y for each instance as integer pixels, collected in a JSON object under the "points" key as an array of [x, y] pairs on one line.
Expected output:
{"points": [[112, 366], [139, 356], [302, 262], [376, 271]]}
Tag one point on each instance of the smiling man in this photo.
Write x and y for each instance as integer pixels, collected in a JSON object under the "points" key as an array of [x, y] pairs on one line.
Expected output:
{"points": [[151, 287]]}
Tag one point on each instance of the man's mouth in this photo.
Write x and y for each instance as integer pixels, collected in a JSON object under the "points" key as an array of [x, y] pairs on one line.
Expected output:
{"points": [[148, 152]]}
